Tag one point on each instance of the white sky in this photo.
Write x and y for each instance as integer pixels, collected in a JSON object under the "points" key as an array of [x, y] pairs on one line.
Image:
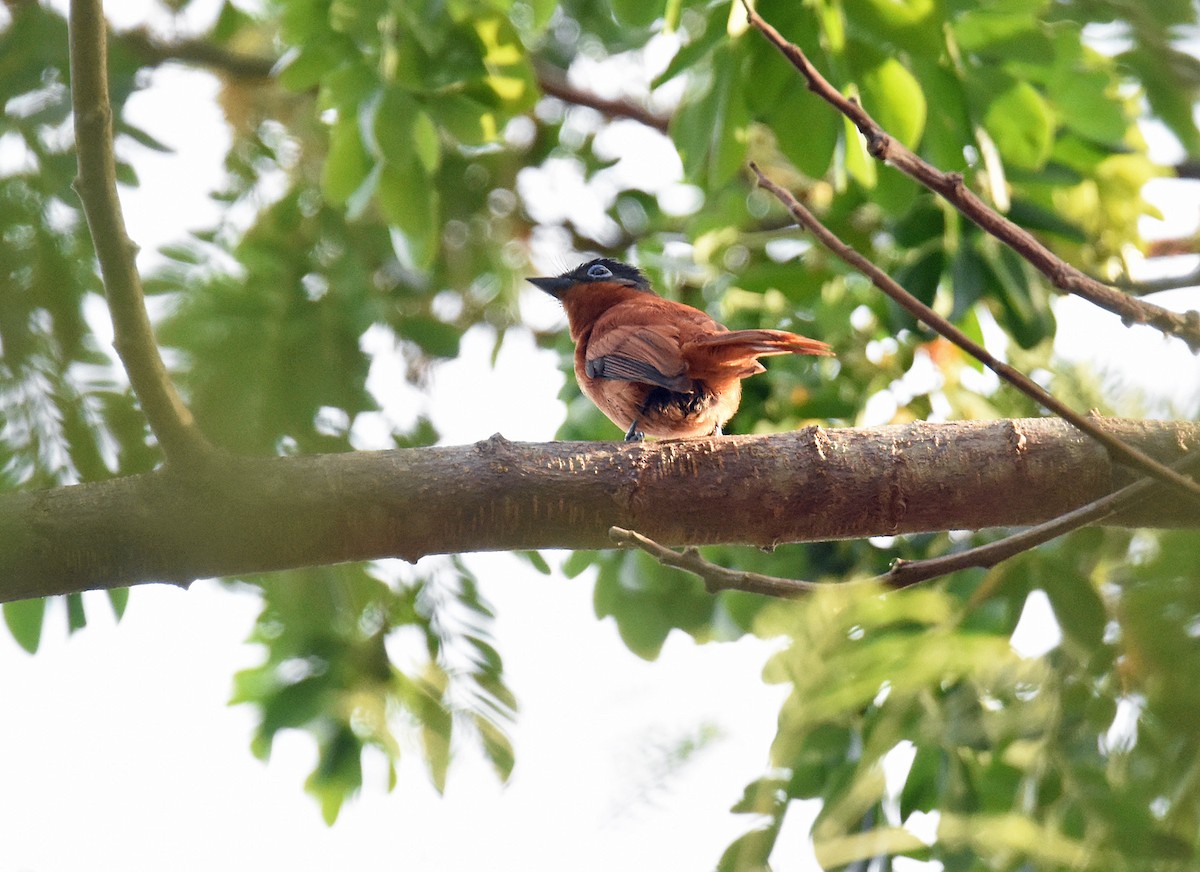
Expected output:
{"points": [[119, 752]]}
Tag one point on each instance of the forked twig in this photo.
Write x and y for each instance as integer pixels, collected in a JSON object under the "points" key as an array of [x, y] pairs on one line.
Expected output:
{"points": [[884, 147]]}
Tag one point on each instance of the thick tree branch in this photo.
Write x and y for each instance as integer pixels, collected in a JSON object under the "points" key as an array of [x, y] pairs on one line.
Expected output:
{"points": [[904, 573], [1185, 325], [169, 418], [942, 326], [243, 515]]}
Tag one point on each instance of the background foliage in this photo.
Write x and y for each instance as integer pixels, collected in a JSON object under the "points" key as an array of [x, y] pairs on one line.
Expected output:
{"points": [[391, 169]]}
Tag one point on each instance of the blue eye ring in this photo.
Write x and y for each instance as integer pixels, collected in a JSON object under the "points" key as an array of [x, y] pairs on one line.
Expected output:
{"points": [[599, 271]]}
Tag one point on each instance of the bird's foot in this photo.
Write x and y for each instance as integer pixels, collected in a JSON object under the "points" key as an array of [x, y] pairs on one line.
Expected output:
{"points": [[717, 431], [633, 434]]}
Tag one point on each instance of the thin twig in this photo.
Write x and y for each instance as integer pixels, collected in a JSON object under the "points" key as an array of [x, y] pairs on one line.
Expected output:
{"points": [[716, 578], [198, 52], [1013, 376], [553, 82], [1155, 286], [96, 185], [881, 145]]}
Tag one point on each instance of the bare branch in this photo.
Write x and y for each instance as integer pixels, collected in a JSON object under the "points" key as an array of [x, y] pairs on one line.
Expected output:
{"points": [[241, 515], [1188, 169], [554, 83], [716, 578], [942, 326], [169, 418], [1185, 325], [1166, 283], [196, 52], [1178, 246]]}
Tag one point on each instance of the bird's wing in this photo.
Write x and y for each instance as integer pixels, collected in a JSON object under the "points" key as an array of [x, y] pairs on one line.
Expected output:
{"points": [[647, 353]]}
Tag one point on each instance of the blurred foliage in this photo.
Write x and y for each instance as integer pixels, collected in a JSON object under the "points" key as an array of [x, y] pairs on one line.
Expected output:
{"points": [[388, 183]]}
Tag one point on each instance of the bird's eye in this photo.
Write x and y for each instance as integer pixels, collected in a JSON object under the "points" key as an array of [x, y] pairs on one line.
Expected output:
{"points": [[599, 271]]}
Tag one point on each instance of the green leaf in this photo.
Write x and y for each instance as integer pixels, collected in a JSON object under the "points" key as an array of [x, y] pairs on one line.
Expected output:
{"points": [[118, 598], [806, 132], [509, 72], [435, 337], [913, 25], [76, 617], [537, 561], [648, 600], [24, 619], [1087, 103], [303, 69], [338, 773], [860, 166], [698, 49], [466, 119], [920, 792], [750, 852], [985, 25], [497, 747], [1033, 216], [1022, 125], [409, 201], [710, 130], [543, 11], [426, 144], [821, 751], [968, 279], [1025, 312], [922, 276], [1077, 605], [1170, 80], [637, 13], [347, 164], [923, 223], [894, 98]]}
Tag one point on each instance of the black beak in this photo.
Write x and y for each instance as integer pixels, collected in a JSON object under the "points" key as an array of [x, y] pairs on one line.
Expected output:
{"points": [[555, 286]]}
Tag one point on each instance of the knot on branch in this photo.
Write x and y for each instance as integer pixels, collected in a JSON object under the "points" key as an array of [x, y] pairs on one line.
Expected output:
{"points": [[494, 444], [878, 144]]}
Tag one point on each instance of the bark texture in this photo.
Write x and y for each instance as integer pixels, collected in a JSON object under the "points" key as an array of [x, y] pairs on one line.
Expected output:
{"points": [[241, 515]]}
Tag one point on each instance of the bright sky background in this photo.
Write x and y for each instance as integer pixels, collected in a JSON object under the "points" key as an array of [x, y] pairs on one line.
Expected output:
{"points": [[120, 752]]}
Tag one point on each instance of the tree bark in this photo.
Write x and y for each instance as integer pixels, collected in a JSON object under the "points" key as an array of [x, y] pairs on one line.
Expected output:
{"points": [[241, 515]]}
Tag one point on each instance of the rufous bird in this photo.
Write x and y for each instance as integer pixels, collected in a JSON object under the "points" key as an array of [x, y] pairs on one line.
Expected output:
{"points": [[653, 366]]}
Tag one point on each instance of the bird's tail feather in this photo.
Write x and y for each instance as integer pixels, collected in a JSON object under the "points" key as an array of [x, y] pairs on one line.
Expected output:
{"points": [[737, 344]]}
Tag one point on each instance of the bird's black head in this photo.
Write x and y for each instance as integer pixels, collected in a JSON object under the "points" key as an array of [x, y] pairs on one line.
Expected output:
{"points": [[602, 269]]}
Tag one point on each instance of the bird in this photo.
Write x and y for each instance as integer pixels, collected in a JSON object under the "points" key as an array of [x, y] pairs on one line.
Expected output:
{"points": [[653, 366]]}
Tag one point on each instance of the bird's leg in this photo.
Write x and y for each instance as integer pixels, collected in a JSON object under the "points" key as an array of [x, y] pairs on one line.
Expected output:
{"points": [[717, 431], [633, 434]]}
